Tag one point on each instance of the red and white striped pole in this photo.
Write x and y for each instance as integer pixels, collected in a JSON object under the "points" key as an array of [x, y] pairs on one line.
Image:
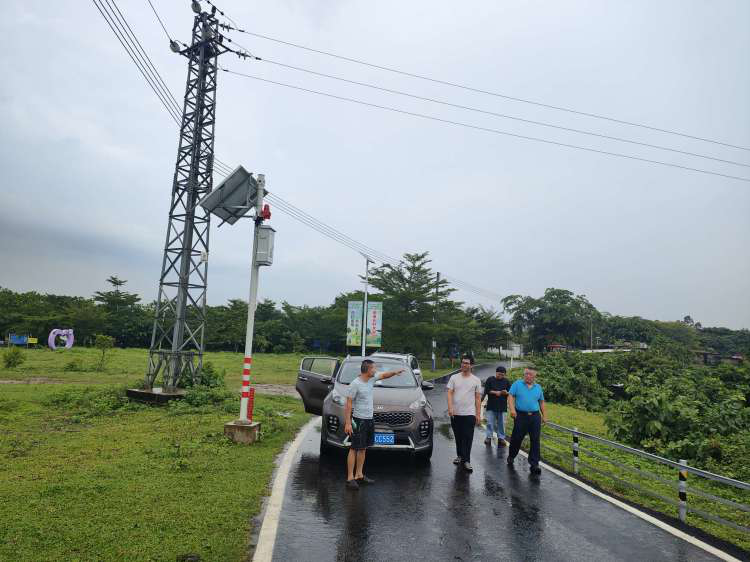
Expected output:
{"points": [[245, 407], [248, 394]]}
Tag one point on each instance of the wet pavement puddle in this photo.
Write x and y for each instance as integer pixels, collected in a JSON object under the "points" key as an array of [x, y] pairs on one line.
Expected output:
{"points": [[437, 511]]}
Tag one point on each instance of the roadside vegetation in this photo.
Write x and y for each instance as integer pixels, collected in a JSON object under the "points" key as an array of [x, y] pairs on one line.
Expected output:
{"points": [[654, 397], [86, 474], [657, 402]]}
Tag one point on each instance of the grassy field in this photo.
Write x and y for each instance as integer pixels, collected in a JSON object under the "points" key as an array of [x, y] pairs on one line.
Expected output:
{"points": [[557, 451], [78, 365], [87, 475]]}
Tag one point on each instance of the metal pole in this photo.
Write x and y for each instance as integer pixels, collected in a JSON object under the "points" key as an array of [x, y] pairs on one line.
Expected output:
{"points": [[591, 335], [575, 450], [682, 492], [247, 392], [364, 306], [510, 353], [434, 322]]}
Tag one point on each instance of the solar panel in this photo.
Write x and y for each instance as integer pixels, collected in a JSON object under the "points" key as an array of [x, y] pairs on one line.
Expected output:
{"points": [[233, 197]]}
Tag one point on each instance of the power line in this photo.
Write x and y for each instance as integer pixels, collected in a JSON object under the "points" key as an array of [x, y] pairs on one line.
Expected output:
{"points": [[136, 60], [221, 12], [168, 100], [331, 232], [160, 22], [495, 114], [487, 92], [338, 236], [146, 67], [147, 59], [488, 129]]}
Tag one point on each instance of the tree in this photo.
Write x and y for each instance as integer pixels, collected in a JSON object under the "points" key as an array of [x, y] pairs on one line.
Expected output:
{"points": [[409, 293], [104, 344], [86, 318], [124, 319], [492, 330], [628, 328], [557, 317]]}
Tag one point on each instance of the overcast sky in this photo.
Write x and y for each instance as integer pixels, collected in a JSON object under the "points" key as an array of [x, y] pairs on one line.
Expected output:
{"points": [[88, 152]]}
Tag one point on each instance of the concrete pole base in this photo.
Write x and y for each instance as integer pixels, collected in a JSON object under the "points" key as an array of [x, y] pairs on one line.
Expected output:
{"points": [[242, 432]]}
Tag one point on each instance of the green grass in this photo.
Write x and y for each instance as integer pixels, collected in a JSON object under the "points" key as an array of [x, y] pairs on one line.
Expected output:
{"points": [[77, 365], [95, 477], [128, 365], [560, 455], [429, 375]]}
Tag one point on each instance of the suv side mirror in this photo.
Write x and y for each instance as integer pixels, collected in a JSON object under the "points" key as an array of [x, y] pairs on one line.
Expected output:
{"points": [[417, 372], [427, 385]]}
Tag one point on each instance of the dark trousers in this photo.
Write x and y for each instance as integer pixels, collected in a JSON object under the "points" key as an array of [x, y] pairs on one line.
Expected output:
{"points": [[530, 423], [463, 431]]}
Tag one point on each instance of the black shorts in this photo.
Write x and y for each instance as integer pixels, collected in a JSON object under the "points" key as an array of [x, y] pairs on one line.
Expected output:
{"points": [[364, 434]]}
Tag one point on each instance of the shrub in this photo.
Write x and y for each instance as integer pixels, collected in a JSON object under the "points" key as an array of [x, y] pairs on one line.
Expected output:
{"points": [[74, 365], [209, 377], [88, 402], [104, 344], [13, 357]]}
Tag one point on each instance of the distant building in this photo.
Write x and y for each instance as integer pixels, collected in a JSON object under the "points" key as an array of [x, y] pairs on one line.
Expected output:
{"points": [[706, 357], [515, 350]]}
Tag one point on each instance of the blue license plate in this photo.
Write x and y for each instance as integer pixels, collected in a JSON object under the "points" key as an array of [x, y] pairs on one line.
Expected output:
{"points": [[385, 439]]}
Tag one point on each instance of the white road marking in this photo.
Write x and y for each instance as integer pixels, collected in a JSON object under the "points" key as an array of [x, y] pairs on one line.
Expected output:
{"points": [[645, 516], [267, 536]]}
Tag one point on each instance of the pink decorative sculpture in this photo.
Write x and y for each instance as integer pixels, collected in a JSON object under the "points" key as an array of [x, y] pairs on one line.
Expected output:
{"points": [[66, 335]]}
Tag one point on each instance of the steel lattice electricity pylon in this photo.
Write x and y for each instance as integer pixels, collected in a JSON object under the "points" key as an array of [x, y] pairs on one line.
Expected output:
{"points": [[179, 321]]}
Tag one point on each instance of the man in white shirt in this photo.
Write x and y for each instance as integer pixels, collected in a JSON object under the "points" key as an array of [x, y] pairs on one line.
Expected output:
{"points": [[464, 408]]}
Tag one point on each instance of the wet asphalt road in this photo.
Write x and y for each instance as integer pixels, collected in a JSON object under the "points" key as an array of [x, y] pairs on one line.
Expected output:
{"points": [[439, 512]]}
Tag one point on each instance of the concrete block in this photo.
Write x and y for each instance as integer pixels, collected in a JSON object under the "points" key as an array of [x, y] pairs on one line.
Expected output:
{"points": [[246, 433], [156, 395]]}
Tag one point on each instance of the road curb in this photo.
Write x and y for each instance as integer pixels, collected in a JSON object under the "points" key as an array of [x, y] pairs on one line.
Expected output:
{"points": [[266, 538], [638, 513]]}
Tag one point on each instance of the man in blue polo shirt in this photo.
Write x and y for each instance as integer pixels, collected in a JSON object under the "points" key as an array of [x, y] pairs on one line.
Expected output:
{"points": [[526, 406]]}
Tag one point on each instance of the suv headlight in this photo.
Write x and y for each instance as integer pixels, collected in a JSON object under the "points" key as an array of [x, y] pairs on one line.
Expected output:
{"points": [[338, 398], [420, 402]]}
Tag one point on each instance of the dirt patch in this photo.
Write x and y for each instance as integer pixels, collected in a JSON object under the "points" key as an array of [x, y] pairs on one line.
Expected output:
{"points": [[32, 380], [277, 389]]}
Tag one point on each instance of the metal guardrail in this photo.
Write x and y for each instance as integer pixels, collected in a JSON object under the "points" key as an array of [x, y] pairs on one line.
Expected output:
{"points": [[680, 485]]}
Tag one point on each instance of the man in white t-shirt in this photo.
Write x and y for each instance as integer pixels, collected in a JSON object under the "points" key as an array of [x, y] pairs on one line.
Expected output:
{"points": [[464, 408]]}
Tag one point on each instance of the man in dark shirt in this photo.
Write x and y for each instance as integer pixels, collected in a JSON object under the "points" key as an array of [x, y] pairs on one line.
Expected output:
{"points": [[496, 390]]}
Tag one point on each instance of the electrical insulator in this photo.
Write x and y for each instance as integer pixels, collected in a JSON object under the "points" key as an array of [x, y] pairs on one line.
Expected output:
{"points": [[174, 46], [266, 213], [196, 6]]}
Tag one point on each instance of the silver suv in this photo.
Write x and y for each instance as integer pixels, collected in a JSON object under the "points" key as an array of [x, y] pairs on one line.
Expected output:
{"points": [[407, 358], [402, 413]]}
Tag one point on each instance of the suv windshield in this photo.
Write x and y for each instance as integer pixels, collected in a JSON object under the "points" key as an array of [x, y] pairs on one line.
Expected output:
{"points": [[350, 371]]}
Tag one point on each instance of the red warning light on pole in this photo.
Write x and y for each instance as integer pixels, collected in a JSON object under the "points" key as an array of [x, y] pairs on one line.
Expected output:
{"points": [[266, 213]]}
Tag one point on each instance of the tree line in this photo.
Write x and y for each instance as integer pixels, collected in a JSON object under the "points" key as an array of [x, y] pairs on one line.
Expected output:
{"points": [[417, 307]]}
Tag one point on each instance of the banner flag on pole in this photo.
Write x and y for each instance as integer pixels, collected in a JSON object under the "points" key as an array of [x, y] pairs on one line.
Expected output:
{"points": [[374, 324], [354, 323]]}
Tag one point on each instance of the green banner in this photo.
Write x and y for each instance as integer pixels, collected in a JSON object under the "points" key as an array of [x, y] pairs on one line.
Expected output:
{"points": [[374, 324], [354, 323]]}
